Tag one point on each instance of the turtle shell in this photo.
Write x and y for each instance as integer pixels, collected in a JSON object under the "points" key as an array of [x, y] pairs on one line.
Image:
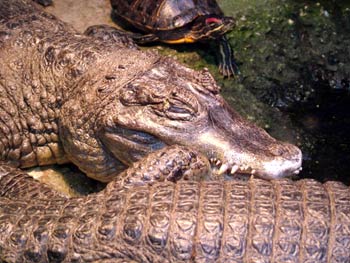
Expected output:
{"points": [[157, 15]]}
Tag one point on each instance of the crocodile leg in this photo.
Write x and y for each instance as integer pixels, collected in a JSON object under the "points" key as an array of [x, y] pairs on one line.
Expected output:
{"points": [[171, 163], [111, 34]]}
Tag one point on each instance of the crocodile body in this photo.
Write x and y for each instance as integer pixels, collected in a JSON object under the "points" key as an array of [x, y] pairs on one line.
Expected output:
{"points": [[101, 103], [190, 221]]}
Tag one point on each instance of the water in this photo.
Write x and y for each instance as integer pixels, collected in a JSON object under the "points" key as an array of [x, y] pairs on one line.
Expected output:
{"points": [[327, 119]]}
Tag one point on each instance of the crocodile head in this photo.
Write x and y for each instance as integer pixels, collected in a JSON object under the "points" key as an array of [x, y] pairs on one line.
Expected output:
{"points": [[171, 104]]}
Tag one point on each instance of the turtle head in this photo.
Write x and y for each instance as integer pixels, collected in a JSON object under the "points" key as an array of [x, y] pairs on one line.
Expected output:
{"points": [[203, 28], [210, 27]]}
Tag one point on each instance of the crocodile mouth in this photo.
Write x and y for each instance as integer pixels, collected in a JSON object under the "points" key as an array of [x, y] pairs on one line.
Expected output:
{"points": [[224, 168], [248, 152]]}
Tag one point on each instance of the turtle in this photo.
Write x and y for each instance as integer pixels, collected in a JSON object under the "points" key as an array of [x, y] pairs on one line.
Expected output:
{"points": [[177, 22]]}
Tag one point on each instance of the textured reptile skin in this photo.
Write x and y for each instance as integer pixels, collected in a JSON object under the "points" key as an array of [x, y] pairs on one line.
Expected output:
{"points": [[38, 79], [58, 97], [190, 221], [101, 103]]}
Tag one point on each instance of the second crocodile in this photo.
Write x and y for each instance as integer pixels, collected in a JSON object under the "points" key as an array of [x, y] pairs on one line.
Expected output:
{"points": [[141, 218]]}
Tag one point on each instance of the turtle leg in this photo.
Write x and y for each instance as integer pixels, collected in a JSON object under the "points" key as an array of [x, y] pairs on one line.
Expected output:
{"points": [[144, 39], [112, 35], [227, 63], [44, 2]]}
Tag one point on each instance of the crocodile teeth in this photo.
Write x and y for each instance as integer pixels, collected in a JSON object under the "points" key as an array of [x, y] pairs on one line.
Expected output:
{"points": [[253, 172], [234, 169], [244, 167], [218, 162], [223, 169], [298, 171]]}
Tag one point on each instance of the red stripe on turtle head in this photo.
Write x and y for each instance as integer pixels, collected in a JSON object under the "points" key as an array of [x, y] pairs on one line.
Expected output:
{"points": [[215, 20]]}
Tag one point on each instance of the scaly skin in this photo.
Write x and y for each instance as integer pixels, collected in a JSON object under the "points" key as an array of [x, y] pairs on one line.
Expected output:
{"points": [[102, 104], [68, 97], [137, 219]]}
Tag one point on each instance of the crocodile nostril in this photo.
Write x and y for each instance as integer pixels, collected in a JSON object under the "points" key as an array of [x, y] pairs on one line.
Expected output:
{"points": [[286, 149], [277, 150]]}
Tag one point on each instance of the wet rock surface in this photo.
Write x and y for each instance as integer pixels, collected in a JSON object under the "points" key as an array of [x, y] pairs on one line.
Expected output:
{"points": [[66, 179], [294, 82], [82, 14]]}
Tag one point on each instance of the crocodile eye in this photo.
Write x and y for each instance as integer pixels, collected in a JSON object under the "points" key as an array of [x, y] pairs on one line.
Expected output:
{"points": [[177, 109], [177, 113]]}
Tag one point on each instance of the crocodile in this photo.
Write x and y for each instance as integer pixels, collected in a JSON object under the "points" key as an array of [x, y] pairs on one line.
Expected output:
{"points": [[98, 101], [142, 122]]}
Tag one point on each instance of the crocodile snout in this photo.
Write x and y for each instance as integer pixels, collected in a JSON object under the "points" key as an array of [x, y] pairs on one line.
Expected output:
{"points": [[285, 150]]}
